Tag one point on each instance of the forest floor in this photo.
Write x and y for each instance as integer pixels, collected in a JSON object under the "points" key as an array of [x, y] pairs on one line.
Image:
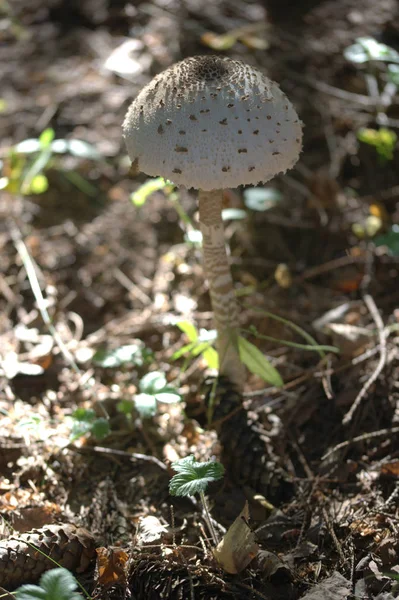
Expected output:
{"points": [[321, 251]]}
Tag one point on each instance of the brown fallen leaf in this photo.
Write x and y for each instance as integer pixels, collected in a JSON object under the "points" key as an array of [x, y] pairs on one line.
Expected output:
{"points": [[238, 547], [111, 565]]}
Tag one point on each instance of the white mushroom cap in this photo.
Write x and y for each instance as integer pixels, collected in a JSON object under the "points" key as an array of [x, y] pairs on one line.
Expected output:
{"points": [[211, 122]]}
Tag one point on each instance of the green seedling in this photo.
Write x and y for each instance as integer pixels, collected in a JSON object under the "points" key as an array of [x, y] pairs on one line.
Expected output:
{"points": [[193, 478], [24, 169], [86, 422], [200, 344], [383, 139], [154, 389], [380, 64], [368, 49], [132, 354], [56, 584]]}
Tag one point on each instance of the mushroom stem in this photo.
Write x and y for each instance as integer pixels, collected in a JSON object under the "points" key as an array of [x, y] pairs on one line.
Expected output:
{"points": [[217, 270]]}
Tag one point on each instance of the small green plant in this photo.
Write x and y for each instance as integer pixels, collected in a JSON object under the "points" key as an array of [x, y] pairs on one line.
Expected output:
{"points": [[24, 169], [154, 389], [86, 422], [56, 584], [383, 139], [380, 64], [200, 342], [193, 478], [132, 354]]}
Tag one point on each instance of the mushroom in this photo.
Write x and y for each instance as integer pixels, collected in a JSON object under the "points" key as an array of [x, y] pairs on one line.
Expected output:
{"points": [[209, 123]]}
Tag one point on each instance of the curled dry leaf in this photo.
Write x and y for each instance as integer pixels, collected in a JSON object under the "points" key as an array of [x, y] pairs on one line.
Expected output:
{"points": [[151, 530], [238, 547], [111, 565]]}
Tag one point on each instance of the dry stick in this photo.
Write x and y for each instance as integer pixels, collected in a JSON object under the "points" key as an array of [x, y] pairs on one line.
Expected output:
{"points": [[361, 438], [333, 535], [37, 292], [369, 301], [30, 269]]}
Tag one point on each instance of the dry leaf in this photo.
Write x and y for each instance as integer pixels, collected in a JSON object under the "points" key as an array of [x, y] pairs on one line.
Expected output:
{"points": [[391, 469], [238, 547], [150, 530], [335, 587], [111, 565]]}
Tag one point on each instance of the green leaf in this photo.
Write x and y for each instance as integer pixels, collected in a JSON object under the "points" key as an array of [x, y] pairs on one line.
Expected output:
{"points": [[134, 354], [168, 396], [187, 349], [83, 419], [46, 137], [189, 329], [194, 237], [152, 382], [146, 405], [390, 240], [84, 414], [56, 584], [211, 358], [367, 48], [38, 185], [100, 428], [31, 592], [257, 363], [82, 149], [125, 407], [140, 196], [261, 199], [233, 214], [4, 181], [28, 146], [59, 583], [193, 477]]}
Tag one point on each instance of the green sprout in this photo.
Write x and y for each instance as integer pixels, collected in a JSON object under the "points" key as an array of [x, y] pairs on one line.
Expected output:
{"points": [[383, 139], [24, 168], [200, 343], [86, 422], [154, 389], [192, 478]]}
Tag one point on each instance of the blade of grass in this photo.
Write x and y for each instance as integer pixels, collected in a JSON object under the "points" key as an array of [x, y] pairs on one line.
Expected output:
{"points": [[309, 347], [297, 329]]}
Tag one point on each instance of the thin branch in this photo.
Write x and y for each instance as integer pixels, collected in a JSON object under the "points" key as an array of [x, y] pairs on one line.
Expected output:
{"points": [[30, 269], [369, 301], [361, 438]]}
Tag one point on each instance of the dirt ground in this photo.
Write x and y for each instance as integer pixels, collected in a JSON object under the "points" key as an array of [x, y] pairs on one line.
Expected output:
{"points": [[317, 460]]}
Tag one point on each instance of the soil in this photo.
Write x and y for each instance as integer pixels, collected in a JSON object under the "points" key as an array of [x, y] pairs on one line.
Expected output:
{"points": [[321, 481]]}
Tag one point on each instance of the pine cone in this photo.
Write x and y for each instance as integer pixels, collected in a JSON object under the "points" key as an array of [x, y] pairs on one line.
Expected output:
{"points": [[20, 562], [252, 455], [154, 578]]}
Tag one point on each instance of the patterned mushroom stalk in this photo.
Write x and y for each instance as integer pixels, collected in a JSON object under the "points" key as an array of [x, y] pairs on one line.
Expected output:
{"points": [[210, 123]]}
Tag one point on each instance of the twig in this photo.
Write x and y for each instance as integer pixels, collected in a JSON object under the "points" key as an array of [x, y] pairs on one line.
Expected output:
{"points": [[129, 455], [331, 531], [369, 301], [37, 292], [361, 438]]}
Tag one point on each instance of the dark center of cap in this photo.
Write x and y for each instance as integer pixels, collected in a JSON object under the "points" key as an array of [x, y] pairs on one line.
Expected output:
{"points": [[207, 68]]}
